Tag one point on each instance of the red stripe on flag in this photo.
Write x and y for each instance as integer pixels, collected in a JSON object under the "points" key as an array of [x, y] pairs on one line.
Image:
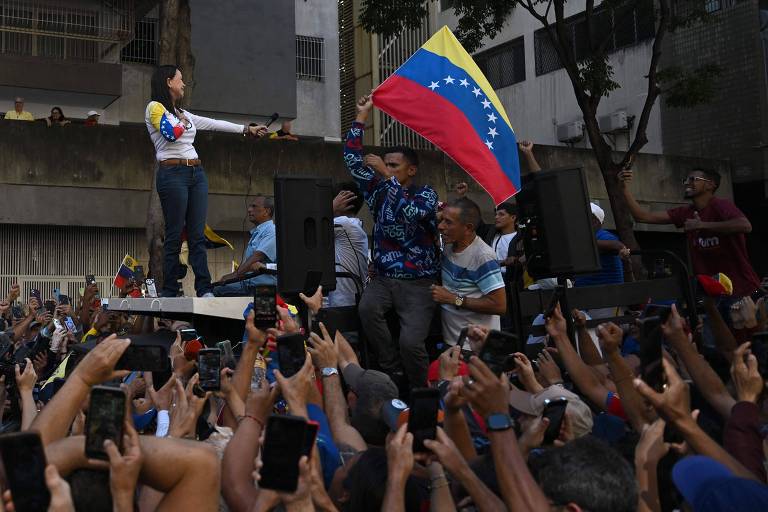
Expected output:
{"points": [[429, 114]]}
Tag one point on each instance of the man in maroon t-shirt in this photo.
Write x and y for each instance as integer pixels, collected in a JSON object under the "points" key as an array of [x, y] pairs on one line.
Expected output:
{"points": [[715, 229]]}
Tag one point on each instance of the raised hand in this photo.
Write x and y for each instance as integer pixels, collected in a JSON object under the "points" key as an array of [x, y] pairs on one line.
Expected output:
{"points": [[746, 377], [323, 350], [674, 403], [99, 364], [610, 336], [315, 302], [449, 363]]}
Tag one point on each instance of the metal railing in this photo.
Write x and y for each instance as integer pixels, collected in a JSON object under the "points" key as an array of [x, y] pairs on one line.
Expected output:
{"points": [[393, 51], [58, 29], [310, 58], [144, 48]]}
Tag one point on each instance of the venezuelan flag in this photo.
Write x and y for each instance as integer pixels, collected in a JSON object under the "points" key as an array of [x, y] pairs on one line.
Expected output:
{"points": [[125, 272], [440, 93]]}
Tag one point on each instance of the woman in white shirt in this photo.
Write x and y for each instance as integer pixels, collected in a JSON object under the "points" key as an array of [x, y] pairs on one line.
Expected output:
{"points": [[181, 181]]}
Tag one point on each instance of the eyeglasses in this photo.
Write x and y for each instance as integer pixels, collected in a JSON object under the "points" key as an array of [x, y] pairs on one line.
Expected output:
{"points": [[691, 179]]}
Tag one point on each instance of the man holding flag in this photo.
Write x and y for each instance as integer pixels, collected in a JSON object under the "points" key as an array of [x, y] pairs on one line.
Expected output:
{"points": [[405, 252]]}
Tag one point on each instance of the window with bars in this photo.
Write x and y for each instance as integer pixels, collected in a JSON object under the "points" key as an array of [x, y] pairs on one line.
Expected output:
{"points": [[623, 26], [503, 65], [144, 47], [310, 58]]}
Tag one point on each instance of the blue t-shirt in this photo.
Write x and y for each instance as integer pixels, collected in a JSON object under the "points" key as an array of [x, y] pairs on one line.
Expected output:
{"points": [[611, 271]]}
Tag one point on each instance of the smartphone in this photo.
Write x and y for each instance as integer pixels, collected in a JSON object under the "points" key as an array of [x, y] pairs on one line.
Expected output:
{"points": [[151, 288], [138, 274], [291, 353], [310, 436], [105, 420], [284, 442], [650, 352], [64, 300], [144, 358], [70, 324], [90, 279], [227, 356], [462, 337], [209, 369], [312, 281], [497, 350], [265, 307], [35, 293], [422, 416], [50, 306], [553, 301], [554, 411], [104, 304], [57, 295], [24, 463], [188, 334]]}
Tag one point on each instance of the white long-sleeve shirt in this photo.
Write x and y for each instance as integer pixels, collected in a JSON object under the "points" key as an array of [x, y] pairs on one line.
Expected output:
{"points": [[173, 138]]}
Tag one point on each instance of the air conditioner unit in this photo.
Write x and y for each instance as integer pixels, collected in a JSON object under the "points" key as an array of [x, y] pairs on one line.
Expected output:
{"points": [[570, 132], [616, 122]]}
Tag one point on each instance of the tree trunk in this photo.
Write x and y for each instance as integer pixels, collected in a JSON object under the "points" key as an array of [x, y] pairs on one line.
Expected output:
{"points": [[174, 26]]}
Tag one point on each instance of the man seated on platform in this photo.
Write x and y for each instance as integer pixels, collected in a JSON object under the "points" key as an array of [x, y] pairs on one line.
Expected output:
{"points": [[261, 249], [473, 289]]}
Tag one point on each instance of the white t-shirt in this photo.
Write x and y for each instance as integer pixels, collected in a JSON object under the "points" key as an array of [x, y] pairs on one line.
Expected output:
{"points": [[501, 246], [474, 272]]}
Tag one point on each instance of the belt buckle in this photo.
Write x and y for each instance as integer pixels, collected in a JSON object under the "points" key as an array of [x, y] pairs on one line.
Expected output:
{"points": [[186, 160]]}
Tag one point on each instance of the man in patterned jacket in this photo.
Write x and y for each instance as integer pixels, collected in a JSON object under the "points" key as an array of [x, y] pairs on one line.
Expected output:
{"points": [[405, 252]]}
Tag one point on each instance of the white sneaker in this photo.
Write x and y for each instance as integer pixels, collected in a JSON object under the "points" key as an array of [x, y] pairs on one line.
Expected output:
{"points": [[208, 295]]}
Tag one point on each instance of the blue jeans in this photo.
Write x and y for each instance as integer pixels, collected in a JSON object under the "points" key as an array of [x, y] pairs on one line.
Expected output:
{"points": [[183, 192], [241, 289]]}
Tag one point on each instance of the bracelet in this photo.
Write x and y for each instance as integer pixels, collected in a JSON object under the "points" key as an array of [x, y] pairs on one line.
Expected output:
{"points": [[444, 483], [438, 477], [254, 418]]}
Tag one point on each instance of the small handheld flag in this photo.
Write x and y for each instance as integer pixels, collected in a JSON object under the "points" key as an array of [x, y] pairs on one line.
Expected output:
{"points": [[126, 272], [440, 93]]}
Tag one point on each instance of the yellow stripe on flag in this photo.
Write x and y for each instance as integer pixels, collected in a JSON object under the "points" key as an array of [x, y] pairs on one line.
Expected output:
{"points": [[445, 44]]}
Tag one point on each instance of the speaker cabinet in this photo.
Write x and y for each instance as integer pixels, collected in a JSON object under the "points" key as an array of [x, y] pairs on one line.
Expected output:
{"points": [[304, 225], [555, 216]]}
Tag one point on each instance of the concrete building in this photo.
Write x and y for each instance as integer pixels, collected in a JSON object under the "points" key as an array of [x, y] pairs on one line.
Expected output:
{"points": [[251, 60]]}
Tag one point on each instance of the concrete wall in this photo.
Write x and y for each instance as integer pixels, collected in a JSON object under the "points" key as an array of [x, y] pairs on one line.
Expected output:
{"points": [[101, 176], [537, 105], [317, 108]]}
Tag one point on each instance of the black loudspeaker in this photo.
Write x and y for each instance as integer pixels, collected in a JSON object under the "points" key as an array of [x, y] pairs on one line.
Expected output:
{"points": [[555, 219], [304, 224]]}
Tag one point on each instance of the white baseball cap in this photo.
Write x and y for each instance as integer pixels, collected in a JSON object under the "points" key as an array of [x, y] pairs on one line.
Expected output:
{"points": [[597, 212], [93, 113]]}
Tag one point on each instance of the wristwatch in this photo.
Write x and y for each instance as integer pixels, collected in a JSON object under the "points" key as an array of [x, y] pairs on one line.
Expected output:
{"points": [[458, 301], [499, 422], [327, 372]]}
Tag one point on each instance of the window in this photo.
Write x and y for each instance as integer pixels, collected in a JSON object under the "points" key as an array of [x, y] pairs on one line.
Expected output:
{"points": [[310, 58], [143, 48], [712, 6], [503, 65], [545, 54], [623, 26]]}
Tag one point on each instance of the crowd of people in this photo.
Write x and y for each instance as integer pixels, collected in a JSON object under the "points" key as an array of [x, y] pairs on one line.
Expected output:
{"points": [[655, 415]]}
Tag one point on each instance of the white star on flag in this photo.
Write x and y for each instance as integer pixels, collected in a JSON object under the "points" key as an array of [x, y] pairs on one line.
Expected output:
{"points": [[486, 103], [476, 92], [492, 132], [464, 82], [489, 144], [434, 85], [449, 79], [492, 118]]}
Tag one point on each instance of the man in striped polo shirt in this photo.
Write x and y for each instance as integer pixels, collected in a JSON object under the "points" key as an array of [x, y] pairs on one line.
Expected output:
{"points": [[473, 288]]}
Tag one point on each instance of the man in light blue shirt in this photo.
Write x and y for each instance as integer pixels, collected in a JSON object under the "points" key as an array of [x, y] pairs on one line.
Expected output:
{"points": [[261, 249]]}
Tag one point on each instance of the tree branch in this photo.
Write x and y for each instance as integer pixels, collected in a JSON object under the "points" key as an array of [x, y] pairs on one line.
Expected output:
{"points": [[641, 138]]}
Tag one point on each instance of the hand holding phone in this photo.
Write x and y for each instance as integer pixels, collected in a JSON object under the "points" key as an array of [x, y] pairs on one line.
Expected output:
{"points": [[422, 416], [105, 420], [497, 351], [24, 462], [554, 411], [209, 369], [291, 353], [265, 307], [284, 444]]}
